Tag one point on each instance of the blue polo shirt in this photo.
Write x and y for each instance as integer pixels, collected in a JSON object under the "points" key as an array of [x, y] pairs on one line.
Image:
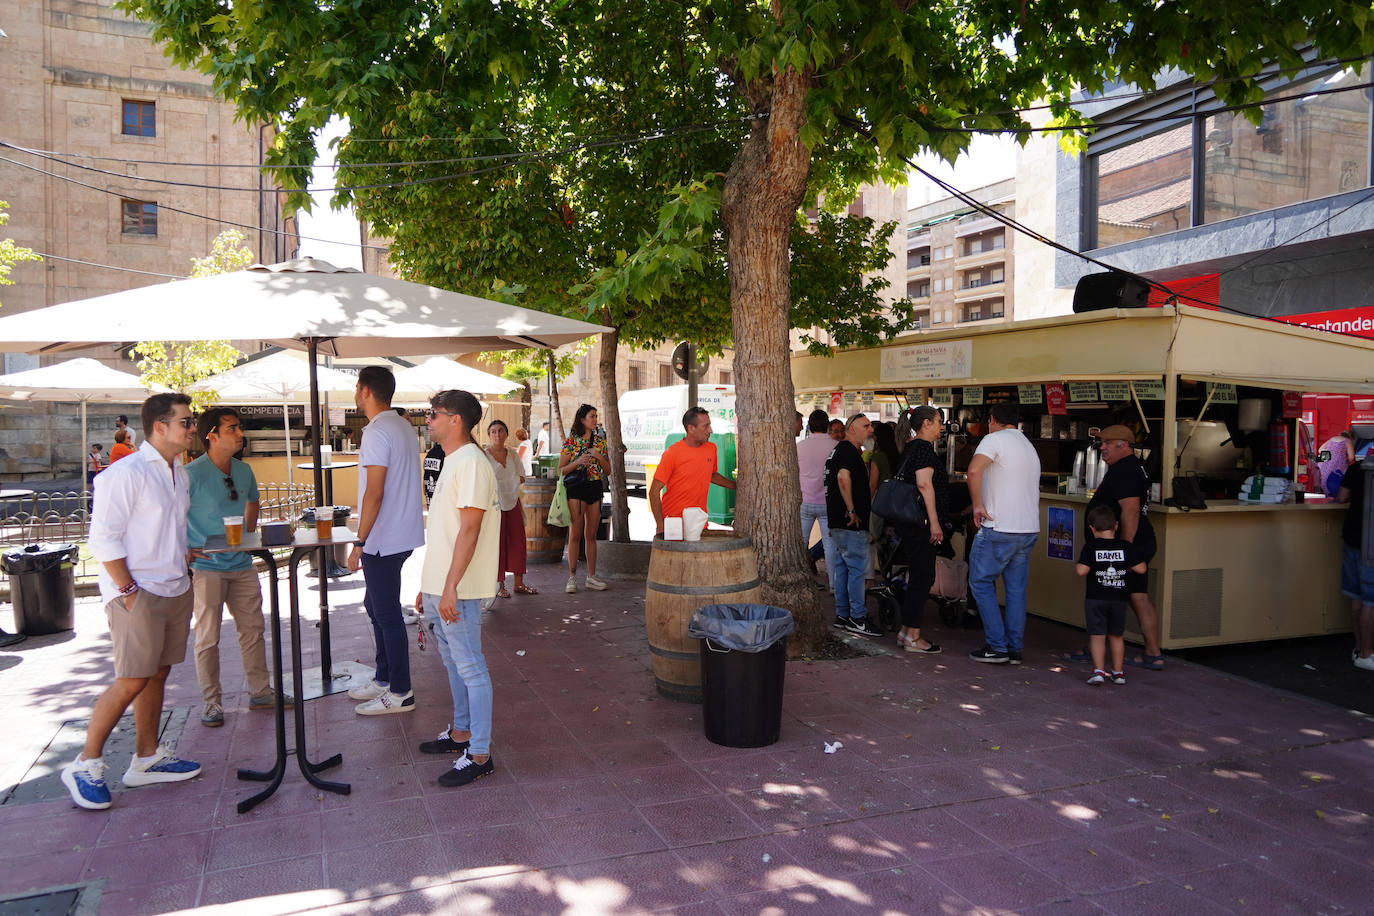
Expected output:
{"points": [[210, 503]]}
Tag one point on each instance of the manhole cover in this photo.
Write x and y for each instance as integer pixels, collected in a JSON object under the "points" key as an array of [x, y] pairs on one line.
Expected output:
{"points": [[47, 903]]}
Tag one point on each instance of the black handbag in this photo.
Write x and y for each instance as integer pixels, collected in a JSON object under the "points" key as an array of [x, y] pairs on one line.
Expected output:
{"points": [[575, 478], [901, 503]]}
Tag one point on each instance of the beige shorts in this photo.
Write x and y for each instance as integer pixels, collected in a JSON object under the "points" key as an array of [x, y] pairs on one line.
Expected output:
{"points": [[151, 635]]}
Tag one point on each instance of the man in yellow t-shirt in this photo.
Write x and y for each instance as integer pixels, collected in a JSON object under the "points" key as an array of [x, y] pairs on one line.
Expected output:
{"points": [[462, 552]]}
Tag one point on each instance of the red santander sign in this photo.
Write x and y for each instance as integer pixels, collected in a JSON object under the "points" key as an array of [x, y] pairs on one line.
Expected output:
{"points": [[1356, 322]]}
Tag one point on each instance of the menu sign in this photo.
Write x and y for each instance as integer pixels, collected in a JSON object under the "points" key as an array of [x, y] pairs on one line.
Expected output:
{"points": [[866, 399], [943, 396], [1292, 405], [973, 395], [1148, 391], [1055, 398], [836, 402], [1115, 391], [1083, 391], [1029, 394], [1222, 393], [950, 359]]}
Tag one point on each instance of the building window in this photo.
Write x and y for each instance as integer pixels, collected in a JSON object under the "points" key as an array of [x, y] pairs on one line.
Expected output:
{"points": [[140, 119], [1209, 166], [636, 377], [725, 377], [140, 217], [665, 374]]}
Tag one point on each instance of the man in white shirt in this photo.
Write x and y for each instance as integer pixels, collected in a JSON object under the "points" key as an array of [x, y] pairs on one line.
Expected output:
{"points": [[1004, 484], [390, 526], [461, 564], [812, 453], [541, 442], [138, 534]]}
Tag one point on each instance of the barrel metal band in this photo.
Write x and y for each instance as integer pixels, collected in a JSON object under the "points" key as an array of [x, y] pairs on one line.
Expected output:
{"points": [[676, 656], [703, 589], [678, 691]]}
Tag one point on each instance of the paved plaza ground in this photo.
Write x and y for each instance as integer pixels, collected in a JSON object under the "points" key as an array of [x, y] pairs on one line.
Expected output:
{"points": [[960, 787]]}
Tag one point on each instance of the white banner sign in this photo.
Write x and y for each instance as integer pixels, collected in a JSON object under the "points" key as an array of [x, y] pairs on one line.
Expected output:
{"points": [[950, 360]]}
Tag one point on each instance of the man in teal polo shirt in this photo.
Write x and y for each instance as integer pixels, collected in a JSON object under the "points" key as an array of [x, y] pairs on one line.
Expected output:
{"points": [[222, 485]]}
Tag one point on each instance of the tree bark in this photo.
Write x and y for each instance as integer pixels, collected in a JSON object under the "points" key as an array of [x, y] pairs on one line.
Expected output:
{"points": [[526, 409], [615, 443], [763, 191], [558, 410]]}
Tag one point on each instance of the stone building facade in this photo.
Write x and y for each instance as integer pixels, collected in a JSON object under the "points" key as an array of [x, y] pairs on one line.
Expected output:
{"points": [[86, 90]]}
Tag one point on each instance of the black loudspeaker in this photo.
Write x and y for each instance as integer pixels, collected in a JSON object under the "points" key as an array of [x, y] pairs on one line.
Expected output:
{"points": [[1111, 290]]}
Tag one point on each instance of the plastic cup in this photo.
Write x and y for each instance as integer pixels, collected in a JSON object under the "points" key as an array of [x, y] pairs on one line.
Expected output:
{"points": [[233, 530], [324, 522]]}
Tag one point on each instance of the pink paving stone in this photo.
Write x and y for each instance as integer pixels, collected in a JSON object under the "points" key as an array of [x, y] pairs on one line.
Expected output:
{"points": [[373, 822], [651, 881], [699, 820], [931, 833], [575, 796], [1083, 866], [806, 898], [740, 866], [482, 851], [785, 806], [655, 785], [1245, 888], [264, 842], [260, 883], [293, 797], [1166, 851], [27, 873], [387, 868], [483, 804], [587, 837], [904, 889], [150, 861], [151, 899], [546, 764], [632, 753], [54, 832], [1319, 816], [1011, 822], [374, 783], [1159, 898], [440, 899], [997, 880], [841, 850]]}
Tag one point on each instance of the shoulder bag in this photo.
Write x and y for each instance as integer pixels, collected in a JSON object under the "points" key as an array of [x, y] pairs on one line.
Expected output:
{"points": [[901, 503]]}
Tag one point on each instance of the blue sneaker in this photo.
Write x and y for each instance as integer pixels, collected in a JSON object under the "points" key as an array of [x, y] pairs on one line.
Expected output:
{"points": [[166, 767], [85, 779]]}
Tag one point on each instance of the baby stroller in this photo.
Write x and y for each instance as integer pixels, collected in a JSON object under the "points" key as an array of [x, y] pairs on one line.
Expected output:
{"points": [[950, 591]]}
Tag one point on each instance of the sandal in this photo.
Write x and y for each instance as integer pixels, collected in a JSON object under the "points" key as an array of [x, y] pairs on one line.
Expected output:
{"points": [[1078, 655], [526, 590], [1148, 662], [501, 592]]}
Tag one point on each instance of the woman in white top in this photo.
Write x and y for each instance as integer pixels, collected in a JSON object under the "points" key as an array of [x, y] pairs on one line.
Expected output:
{"points": [[525, 449], [506, 464]]}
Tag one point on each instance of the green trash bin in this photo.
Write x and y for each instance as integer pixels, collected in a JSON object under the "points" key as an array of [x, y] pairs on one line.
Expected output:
{"points": [[547, 463], [720, 502]]}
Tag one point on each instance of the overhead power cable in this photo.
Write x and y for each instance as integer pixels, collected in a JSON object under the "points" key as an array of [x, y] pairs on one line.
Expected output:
{"points": [[127, 270]]}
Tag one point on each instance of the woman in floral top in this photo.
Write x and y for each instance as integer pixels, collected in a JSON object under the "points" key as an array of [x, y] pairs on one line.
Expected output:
{"points": [[583, 465]]}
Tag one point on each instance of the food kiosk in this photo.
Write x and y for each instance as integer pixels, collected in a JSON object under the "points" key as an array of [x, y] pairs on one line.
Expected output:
{"points": [[1213, 396]]}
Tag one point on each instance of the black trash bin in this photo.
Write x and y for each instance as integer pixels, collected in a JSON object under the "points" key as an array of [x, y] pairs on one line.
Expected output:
{"points": [[41, 587], [743, 659]]}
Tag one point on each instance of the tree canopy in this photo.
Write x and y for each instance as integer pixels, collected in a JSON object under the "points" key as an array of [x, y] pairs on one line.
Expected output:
{"points": [[755, 107], [11, 253]]}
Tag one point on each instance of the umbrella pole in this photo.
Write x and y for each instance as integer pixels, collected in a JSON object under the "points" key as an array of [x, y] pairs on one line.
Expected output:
{"points": [[85, 480], [325, 560], [286, 431], [313, 348]]}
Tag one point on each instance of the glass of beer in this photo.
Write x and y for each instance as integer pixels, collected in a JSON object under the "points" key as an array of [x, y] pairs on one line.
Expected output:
{"points": [[233, 530], [324, 522]]}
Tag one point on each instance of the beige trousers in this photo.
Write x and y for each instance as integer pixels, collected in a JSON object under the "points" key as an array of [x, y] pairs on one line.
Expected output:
{"points": [[242, 592]]}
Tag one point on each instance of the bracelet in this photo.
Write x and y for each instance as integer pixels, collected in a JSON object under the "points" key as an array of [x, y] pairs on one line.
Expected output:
{"points": [[130, 588]]}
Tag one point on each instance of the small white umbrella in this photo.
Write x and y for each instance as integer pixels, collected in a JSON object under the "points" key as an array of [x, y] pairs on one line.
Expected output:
{"points": [[440, 373], [81, 380], [279, 378]]}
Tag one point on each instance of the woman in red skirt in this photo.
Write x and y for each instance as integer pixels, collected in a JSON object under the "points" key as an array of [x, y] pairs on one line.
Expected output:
{"points": [[506, 463]]}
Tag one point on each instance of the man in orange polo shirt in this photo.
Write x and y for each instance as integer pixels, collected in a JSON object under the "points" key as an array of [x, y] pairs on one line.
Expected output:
{"points": [[686, 470]]}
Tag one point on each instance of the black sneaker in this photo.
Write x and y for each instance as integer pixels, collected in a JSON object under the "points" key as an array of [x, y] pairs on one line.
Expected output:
{"points": [[466, 770], [1014, 656], [991, 656], [841, 623], [443, 745], [862, 626]]}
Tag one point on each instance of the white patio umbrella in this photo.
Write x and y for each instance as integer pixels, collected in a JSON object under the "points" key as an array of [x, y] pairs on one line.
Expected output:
{"points": [[80, 380], [439, 373], [278, 378]]}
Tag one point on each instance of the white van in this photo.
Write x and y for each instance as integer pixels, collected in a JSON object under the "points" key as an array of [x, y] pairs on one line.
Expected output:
{"points": [[648, 416]]}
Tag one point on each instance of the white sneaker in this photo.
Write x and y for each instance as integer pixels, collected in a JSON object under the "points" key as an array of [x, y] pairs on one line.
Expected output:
{"points": [[165, 767], [1365, 663], [596, 584], [369, 691], [387, 702], [571, 587]]}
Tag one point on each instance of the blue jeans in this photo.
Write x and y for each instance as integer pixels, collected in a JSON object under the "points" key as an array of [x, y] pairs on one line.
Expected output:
{"points": [[851, 568], [810, 514], [382, 599], [1007, 555], [460, 648]]}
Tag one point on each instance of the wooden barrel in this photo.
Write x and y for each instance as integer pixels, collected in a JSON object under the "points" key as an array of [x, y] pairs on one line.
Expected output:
{"points": [[543, 544], [683, 576]]}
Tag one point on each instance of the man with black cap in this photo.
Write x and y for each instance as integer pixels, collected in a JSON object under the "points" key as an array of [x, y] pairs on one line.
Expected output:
{"points": [[1125, 488]]}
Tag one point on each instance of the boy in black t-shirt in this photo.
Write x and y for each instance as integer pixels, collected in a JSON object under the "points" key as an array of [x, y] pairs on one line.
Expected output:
{"points": [[1105, 560]]}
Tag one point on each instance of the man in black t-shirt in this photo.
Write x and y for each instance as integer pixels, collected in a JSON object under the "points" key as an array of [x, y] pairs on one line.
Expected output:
{"points": [[1357, 580], [1107, 561], [1125, 489], [846, 510]]}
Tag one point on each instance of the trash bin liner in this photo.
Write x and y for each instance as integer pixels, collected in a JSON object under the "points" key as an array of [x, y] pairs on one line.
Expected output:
{"points": [[42, 584], [743, 660], [746, 627]]}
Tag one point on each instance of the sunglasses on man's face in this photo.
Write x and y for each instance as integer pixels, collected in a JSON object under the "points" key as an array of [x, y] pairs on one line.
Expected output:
{"points": [[186, 422], [432, 413]]}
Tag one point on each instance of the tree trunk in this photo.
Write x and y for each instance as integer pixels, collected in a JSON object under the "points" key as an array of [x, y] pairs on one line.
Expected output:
{"points": [[763, 191], [557, 410], [615, 443], [526, 409]]}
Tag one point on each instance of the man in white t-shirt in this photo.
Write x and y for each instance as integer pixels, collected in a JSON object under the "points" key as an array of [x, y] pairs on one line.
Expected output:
{"points": [[1004, 484], [390, 525], [541, 442], [462, 559]]}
